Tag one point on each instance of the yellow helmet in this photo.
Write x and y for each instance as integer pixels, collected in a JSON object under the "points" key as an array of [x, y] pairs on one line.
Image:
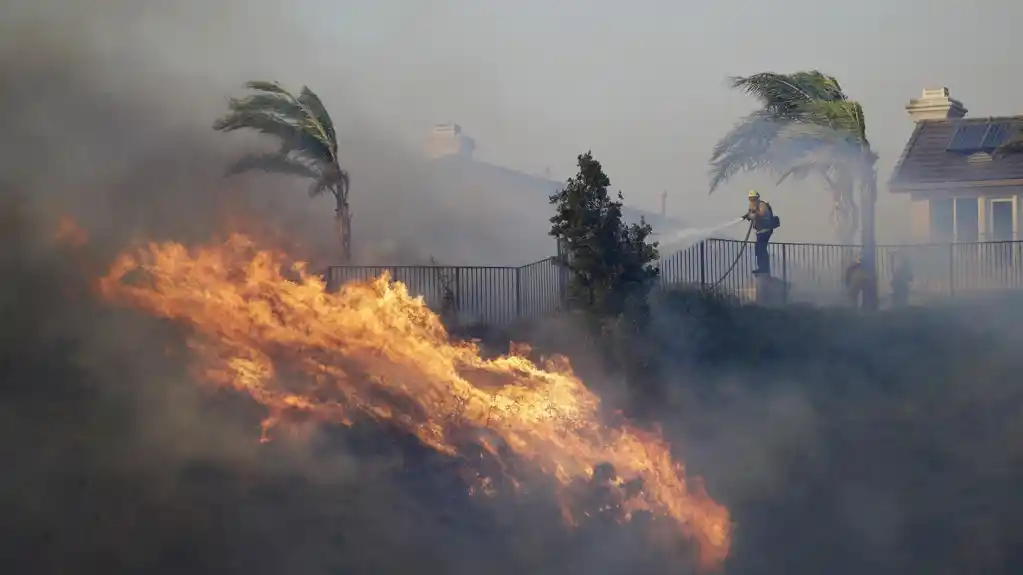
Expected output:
{"points": [[753, 194]]}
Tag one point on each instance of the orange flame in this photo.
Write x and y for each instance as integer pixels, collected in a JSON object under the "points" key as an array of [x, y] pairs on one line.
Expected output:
{"points": [[372, 348], [69, 232]]}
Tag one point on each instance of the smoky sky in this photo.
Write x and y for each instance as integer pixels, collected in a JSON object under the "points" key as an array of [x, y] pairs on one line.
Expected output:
{"points": [[519, 80], [841, 443]]}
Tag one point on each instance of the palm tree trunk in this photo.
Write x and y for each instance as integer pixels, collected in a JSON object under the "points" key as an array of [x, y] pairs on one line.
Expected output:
{"points": [[343, 220], [844, 216], [868, 239], [843, 208]]}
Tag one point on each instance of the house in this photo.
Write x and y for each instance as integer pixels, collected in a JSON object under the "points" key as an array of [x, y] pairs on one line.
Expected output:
{"points": [[508, 195], [959, 191]]}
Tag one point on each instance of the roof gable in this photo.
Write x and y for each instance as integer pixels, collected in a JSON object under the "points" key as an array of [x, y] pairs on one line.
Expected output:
{"points": [[956, 152]]}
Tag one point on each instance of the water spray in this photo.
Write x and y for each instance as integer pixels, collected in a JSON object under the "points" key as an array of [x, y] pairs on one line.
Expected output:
{"points": [[691, 234]]}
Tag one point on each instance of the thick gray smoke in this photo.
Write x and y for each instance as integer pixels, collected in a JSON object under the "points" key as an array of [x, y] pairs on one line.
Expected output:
{"points": [[117, 461], [122, 97], [842, 444]]}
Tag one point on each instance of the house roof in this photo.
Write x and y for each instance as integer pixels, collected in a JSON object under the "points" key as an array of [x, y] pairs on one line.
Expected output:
{"points": [[536, 189], [927, 162]]}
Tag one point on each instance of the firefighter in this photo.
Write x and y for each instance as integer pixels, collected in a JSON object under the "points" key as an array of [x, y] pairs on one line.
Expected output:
{"points": [[902, 277], [857, 279], [764, 223]]}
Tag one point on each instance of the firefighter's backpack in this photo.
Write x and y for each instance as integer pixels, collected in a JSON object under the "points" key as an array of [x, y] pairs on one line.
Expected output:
{"points": [[775, 220]]}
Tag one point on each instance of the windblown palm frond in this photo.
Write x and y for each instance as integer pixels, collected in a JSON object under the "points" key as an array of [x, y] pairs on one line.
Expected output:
{"points": [[782, 94], [785, 98], [244, 115], [268, 87], [275, 163], [845, 118], [819, 86], [838, 173], [300, 123], [318, 112], [336, 184], [744, 148], [807, 126], [790, 149], [307, 138], [833, 150], [790, 164], [811, 137], [797, 157]]}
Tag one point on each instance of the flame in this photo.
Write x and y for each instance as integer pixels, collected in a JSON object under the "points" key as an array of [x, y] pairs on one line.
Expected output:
{"points": [[371, 348], [70, 233]]}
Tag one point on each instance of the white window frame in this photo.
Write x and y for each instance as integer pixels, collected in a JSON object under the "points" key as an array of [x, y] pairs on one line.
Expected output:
{"points": [[955, 217], [990, 212]]}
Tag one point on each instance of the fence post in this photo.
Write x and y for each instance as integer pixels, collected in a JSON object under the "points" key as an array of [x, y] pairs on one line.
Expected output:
{"points": [[518, 293], [951, 270], [703, 263], [458, 291], [562, 270], [784, 274]]}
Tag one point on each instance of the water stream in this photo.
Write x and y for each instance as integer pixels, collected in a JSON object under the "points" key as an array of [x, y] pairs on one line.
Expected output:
{"points": [[676, 240]]}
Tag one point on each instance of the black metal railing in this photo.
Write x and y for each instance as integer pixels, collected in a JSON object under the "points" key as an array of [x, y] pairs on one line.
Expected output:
{"points": [[476, 294], [814, 273]]}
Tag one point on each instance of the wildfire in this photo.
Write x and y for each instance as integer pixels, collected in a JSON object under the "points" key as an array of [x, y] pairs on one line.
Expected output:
{"points": [[70, 233], [371, 348]]}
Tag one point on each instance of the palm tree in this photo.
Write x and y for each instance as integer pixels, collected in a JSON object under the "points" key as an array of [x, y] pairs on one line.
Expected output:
{"points": [[807, 125], [308, 144], [761, 141]]}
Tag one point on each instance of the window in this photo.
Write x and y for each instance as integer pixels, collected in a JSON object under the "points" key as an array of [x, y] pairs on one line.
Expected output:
{"points": [[1001, 223], [955, 220], [967, 217], [942, 220]]}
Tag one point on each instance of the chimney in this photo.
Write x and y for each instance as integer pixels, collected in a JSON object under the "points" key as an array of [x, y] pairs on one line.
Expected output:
{"points": [[935, 104], [448, 140]]}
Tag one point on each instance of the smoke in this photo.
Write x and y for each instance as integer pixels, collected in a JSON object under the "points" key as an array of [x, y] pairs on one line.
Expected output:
{"points": [[804, 198], [843, 444], [852, 443], [681, 238], [122, 99], [117, 461]]}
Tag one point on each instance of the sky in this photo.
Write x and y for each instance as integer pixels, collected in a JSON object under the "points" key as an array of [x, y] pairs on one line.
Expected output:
{"points": [[643, 84]]}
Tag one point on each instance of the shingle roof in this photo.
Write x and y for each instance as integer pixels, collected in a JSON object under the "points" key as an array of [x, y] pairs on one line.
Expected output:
{"points": [[925, 163]]}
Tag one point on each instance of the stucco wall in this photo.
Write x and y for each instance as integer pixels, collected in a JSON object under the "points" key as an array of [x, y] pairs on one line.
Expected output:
{"points": [[920, 209]]}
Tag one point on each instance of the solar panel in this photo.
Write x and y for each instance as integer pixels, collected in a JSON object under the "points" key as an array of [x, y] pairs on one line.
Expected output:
{"points": [[997, 134], [967, 138]]}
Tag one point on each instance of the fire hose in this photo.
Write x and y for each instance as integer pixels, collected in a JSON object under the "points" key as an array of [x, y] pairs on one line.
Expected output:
{"points": [[742, 250]]}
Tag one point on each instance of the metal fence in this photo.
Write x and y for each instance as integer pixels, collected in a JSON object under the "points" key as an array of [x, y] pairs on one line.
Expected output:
{"points": [[813, 272], [478, 294]]}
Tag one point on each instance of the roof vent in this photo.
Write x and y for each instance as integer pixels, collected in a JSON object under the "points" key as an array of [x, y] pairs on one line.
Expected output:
{"points": [[935, 104], [979, 158]]}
